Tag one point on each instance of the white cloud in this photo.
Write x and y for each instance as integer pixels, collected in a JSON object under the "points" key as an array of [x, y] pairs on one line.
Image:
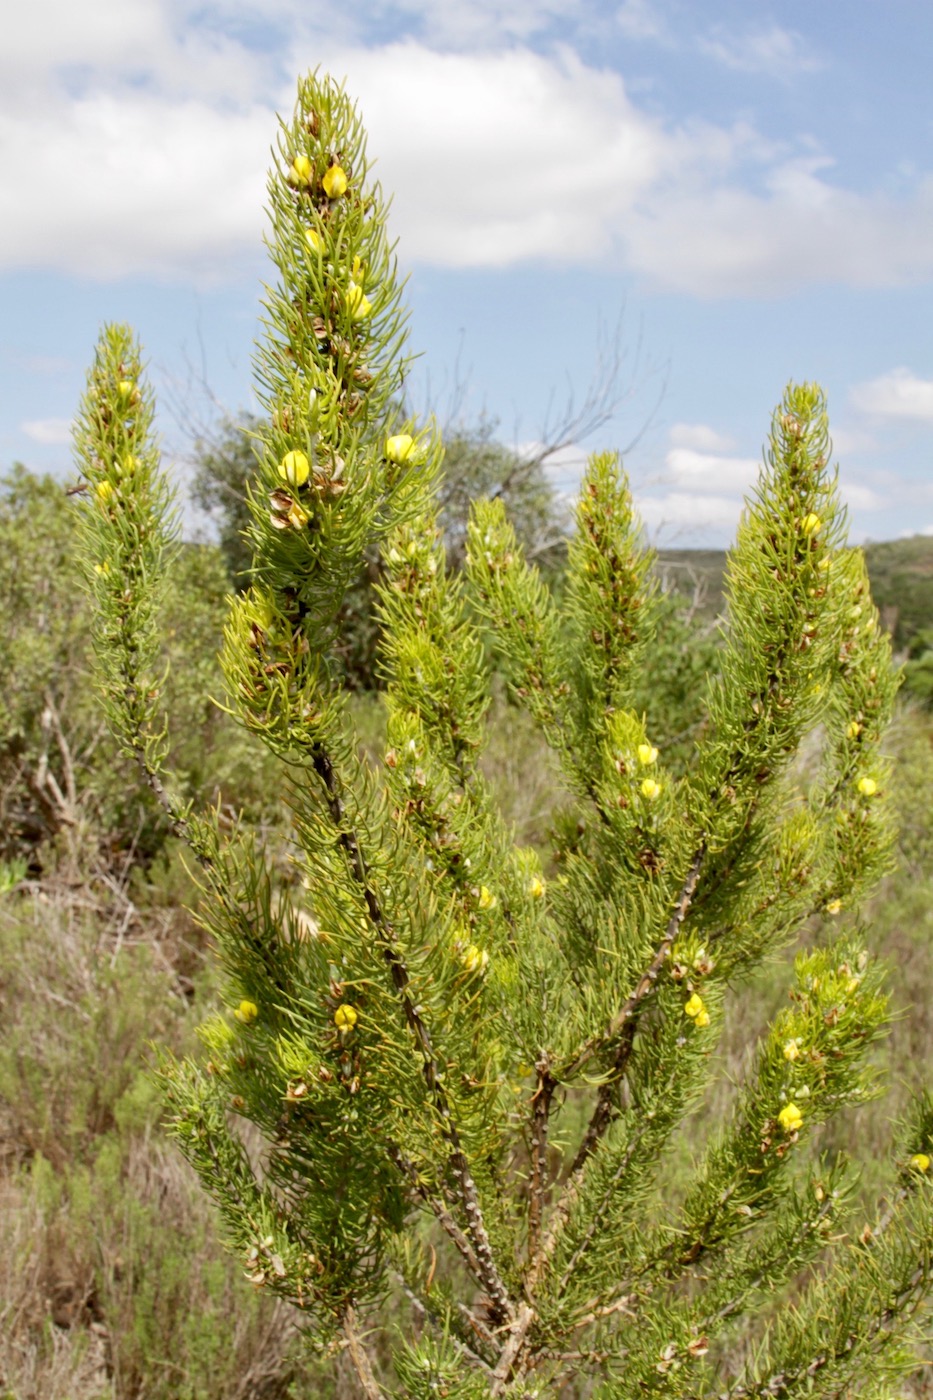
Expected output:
{"points": [[773, 52], [687, 515], [897, 394], [709, 474], [699, 436], [146, 153], [49, 431]]}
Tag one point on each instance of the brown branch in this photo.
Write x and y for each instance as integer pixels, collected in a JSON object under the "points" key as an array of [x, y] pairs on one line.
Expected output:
{"points": [[486, 1272], [360, 1356], [623, 1026], [541, 1109], [437, 1208]]}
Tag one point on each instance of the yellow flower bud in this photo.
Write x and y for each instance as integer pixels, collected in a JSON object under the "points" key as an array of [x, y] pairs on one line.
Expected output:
{"points": [[853, 729], [811, 524], [128, 465], [127, 390], [867, 787], [647, 754], [359, 304], [315, 241], [104, 492], [791, 1050], [474, 959], [247, 1011], [834, 906], [650, 789], [335, 182], [301, 170], [345, 1017], [295, 468], [694, 1006], [399, 448], [486, 899], [920, 1162], [790, 1118], [536, 887]]}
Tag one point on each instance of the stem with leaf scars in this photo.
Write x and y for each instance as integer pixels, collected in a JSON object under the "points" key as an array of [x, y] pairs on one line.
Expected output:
{"points": [[484, 1268]]}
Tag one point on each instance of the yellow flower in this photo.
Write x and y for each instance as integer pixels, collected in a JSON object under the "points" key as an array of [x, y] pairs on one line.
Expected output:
{"points": [[399, 448], [920, 1162], [127, 467], [315, 241], [812, 524], [295, 468], [474, 959], [127, 390], [790, 1118], [358, 302], [247, 1011], [301, 170], [486, 900], [650, 789], [536, 887], [702, 1018], [853, 730], [694, 1006], [297, 517], [335, 182], [791, 1049], [647, 754], [867, 787], [102, 569], [346, 1017], [834, 906], [104, 492]]}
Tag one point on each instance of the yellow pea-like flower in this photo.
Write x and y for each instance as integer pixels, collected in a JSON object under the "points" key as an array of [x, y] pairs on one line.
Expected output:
{"points": [[358, 302], [399, 448], [811, 524], [647, 754], [104, 492], [346, 1017], [301, 170], [694, 1006], [867, 787], [701, 1019], [295, 468], [853, 729], [920, 1162], [474, 959], [650, 789], [335, 182], [487, 900], [791, 1050], [790, 1118], [536, 887], [834, 906], [247, 1011]]}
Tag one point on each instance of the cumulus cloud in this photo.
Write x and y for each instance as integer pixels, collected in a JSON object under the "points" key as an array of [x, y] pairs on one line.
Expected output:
{"points": [[699, 436], [134, 140], [48, 431], [897, 394]]}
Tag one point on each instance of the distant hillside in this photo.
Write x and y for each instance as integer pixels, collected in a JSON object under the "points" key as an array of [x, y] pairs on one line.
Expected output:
{"points": [[901, 574]]}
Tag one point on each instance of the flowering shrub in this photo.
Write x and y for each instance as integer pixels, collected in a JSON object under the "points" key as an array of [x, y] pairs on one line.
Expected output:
{"points": [[468, 1071]]}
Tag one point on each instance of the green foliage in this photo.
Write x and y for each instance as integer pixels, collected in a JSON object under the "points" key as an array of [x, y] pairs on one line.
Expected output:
{"points": [[467, 1073]]}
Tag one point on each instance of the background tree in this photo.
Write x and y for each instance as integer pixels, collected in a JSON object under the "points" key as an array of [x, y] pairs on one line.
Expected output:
{"points": [[468, 1071]]}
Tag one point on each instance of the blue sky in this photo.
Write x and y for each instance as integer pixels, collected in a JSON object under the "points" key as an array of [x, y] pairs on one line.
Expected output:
{"points": [[734, 194]]}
